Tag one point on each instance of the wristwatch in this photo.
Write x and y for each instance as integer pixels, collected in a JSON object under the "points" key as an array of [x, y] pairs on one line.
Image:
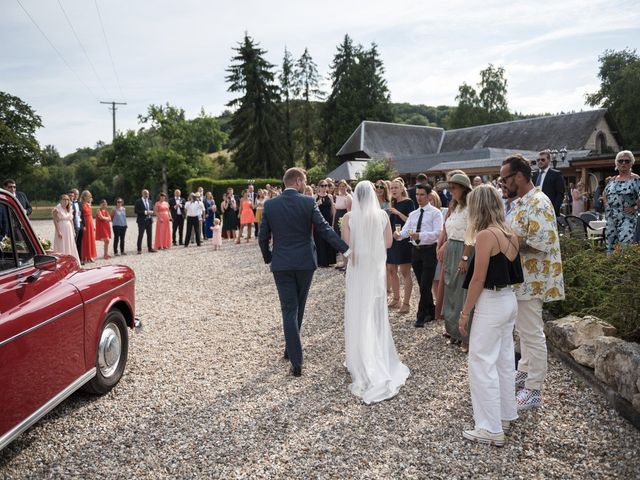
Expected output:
{"points": [[465, 258]]}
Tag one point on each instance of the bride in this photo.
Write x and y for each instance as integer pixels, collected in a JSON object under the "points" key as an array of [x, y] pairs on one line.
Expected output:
{"points": [[372, 360]]}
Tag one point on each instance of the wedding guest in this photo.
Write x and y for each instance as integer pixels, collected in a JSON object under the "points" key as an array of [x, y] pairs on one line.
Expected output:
{"points": [[434, 199], [163, 223], [598, 197], [230, 215], [578, 197], [10, 185], [477, 181], [103, 228], [210, 213], [549, 180], [74, 195], [421, 179], [325, 252], [144, 212], [65, 239], [343, 205], [423, 228], [216, 234], [622, 199], [176, 203], [399, 255], [534, 222], [247, 218], [194, 211], [88, 249], [494, 268], [383, 195], [308, 191], [119, 226], [260, 199], [454, 255]]}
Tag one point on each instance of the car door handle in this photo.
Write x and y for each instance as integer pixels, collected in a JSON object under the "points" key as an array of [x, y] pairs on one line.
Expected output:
{"points": [[31, 278]]}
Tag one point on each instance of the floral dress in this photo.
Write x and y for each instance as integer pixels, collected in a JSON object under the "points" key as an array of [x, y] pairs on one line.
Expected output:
{"points": [[621, 226]]}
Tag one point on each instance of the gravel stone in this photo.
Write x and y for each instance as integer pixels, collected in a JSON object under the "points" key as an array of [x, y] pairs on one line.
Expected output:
{"points": [[206, 394]]}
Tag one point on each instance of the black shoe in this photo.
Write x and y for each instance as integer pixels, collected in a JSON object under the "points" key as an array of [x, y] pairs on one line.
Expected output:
{"points": [[286, 355], [419, 324], [139, 252], [296, 371], [153, 251], [174, 244]]}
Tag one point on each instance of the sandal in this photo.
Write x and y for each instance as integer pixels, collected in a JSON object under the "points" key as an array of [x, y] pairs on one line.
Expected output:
{"points": [[464, 348], [395, 303], [405, 308]]}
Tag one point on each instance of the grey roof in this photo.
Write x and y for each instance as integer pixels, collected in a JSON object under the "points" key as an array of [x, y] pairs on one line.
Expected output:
{"points": [[390, 140], [491, 159], [349, 170], [571, 130]]}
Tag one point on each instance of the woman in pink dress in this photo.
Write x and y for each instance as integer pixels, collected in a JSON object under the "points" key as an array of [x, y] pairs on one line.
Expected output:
{"points": [[163, 224], [578, 197], [64, 240]]}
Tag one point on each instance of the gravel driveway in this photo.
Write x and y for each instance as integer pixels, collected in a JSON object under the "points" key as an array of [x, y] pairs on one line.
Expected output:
{"points": [[206, 394]]}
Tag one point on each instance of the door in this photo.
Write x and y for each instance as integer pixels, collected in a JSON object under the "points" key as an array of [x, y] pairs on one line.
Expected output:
{"points": [[41, 326]]}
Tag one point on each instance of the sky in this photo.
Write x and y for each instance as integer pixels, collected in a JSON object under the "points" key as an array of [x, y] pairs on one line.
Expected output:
{"points": [[145, 52]]}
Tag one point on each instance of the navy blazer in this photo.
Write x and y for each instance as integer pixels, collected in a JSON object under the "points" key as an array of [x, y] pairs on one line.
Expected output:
{"points": [[138, 208], [553, 187], [288, 219]]}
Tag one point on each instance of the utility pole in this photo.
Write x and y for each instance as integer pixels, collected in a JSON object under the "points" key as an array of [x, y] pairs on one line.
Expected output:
{"points": [[113, 110]]}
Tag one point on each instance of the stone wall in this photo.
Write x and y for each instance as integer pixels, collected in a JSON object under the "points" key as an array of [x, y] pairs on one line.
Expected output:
{"points": [[592, 343]]}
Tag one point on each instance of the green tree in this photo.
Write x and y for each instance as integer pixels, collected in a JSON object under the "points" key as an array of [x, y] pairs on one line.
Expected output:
{"points": [[358, 92], [287, 79], [379, 170], [50, 156], [256, 137], [307, 88], [620, 92], [486, 105], [19, 149]]}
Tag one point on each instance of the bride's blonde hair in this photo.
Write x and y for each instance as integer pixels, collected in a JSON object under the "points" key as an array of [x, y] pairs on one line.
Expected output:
{"points": [[485, 207]]}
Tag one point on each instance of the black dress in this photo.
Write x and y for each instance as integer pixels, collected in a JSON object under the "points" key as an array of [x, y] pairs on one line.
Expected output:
{"points": [[400, 251], [326, 253]]}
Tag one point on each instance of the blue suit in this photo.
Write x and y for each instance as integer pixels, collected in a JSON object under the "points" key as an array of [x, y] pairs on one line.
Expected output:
{"points": [[287, 220]]}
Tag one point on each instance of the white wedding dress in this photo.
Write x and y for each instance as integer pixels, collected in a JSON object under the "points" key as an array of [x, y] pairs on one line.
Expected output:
{"points": [[372, 360]]}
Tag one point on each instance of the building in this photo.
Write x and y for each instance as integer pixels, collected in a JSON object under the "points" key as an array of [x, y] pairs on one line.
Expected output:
{"points": [[589, 136]]}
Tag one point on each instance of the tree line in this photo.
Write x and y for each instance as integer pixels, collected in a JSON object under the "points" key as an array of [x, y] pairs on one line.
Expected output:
{"points": [[279, 117]]}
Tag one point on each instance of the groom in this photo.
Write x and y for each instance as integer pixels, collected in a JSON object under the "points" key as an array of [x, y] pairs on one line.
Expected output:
{"points": [[288, 219]]}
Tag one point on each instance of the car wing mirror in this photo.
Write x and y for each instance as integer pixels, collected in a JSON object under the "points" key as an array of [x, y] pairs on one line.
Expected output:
{"points": [[45, 262]]}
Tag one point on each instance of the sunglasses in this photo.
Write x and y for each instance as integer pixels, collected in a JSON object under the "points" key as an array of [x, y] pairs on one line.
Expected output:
{"points": [[624, 161], [380, 187], [323, 185]]}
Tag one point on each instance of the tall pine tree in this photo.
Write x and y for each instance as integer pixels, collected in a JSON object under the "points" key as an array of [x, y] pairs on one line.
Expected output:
{"points": [[358, 92], [307, 88], [255, 135], [286, 91]]}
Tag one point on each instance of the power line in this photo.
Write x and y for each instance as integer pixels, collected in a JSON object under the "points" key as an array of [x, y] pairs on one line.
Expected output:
{"points": [[57, 51], [86, 55], [104, 34]]}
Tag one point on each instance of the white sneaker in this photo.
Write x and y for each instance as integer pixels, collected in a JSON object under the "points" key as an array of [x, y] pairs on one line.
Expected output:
{"points": [[527, 398], [506, 426], [481, 435]]}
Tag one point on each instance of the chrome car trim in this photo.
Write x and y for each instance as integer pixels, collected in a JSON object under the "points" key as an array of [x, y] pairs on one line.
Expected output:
{"points": [[108, 291], [41, 324], [8, 437]]}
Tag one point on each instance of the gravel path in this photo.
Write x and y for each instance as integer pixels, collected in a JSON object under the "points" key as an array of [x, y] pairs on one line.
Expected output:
{"points": [[206, 394]]}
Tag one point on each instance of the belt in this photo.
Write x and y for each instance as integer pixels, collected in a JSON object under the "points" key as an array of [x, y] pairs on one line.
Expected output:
{"points": [[424, 247], [497, 288]]}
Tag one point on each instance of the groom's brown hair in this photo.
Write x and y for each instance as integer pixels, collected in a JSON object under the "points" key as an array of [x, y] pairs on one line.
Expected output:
{"points": [[293, 174]]}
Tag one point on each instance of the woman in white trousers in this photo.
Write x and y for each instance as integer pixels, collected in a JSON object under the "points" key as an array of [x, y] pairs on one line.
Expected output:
{"points": [[495, 267]]}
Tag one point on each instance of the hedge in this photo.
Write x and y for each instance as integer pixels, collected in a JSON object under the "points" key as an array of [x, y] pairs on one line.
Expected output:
{"points": [[602, 285], [218, 187]]}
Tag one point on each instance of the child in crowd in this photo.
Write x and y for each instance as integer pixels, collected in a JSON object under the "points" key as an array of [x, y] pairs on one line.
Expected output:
{"points": [[103, 227], [216, 237]]}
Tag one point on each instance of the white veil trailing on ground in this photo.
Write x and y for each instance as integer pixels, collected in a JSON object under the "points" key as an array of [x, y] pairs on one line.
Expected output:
{"points": [[372, 360]]}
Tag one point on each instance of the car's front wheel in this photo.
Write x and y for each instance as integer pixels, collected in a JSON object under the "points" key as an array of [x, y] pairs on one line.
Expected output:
{"points": [[111, 358]]}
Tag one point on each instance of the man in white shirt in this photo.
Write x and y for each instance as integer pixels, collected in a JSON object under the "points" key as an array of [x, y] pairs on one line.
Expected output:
{"points": [[550, 181], [194, 210], [423, 227]]}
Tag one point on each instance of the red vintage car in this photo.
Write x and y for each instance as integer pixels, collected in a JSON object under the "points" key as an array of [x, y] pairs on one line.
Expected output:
{"points": [[61, 327]]}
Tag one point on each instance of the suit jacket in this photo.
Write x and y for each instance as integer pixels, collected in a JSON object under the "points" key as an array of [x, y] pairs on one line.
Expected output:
{"points": [[552, 187], [172, 203], [24, 201], [288, 218], [139, 209]]}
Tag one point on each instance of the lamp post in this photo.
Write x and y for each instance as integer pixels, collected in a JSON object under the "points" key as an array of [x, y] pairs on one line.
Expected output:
{"points": [[554, 155]]}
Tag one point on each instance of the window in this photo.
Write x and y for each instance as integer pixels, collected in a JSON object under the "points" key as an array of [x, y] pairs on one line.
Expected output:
{"points": [[601, 142], [16, 249]]}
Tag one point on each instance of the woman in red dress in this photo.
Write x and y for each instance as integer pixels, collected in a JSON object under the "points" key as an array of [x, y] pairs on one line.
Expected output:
{"points": [[103, 227], [163, 224], [88, 230]]}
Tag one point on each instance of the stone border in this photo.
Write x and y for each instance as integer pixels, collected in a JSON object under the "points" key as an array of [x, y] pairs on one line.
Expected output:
{"points": [[614, 399]]}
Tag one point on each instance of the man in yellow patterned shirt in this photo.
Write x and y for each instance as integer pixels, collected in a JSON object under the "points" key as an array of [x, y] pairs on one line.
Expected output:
{"points": [[534, 222]]}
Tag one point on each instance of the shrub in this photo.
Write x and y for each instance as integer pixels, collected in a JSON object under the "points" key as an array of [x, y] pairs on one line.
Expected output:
{"points": [[379, 170], [601, 285], [218, 187]]}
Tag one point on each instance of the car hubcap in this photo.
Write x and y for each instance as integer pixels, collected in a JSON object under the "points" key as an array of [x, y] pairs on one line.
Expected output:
{"points": [[110, 350]]}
